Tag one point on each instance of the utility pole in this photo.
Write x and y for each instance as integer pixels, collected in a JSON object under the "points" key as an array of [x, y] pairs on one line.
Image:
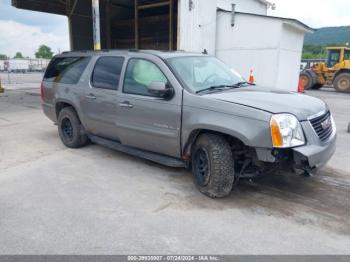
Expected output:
{"points": [[96, 24]]}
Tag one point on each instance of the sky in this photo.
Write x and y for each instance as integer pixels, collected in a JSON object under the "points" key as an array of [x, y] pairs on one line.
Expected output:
{"points": [[314, 13], [25, 31]]}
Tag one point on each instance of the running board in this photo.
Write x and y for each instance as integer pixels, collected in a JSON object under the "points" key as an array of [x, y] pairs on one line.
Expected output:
{"points": [[154, 157]]}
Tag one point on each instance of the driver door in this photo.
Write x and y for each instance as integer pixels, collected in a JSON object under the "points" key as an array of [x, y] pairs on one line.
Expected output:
{"points": [[144, 120]]}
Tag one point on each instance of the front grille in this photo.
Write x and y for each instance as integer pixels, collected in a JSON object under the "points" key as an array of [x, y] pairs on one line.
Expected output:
{"points": [[323, 126]]}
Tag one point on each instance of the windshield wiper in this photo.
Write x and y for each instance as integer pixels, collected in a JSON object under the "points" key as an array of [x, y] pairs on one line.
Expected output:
{"points": [[217, 87], [237, 85], [240, 84]]}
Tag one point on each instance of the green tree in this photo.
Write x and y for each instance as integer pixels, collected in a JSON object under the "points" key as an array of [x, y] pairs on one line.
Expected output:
{"points": [[3, 57], [44, 52], [314, 52], [19, 55]]}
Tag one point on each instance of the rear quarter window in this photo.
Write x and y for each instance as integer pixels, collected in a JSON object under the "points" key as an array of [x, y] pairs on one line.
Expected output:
{"points": [[66, 70]]}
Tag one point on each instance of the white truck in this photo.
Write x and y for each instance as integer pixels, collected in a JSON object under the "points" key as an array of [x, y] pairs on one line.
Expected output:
{"points": [[39, 65], [18, 65], [2, 65]]}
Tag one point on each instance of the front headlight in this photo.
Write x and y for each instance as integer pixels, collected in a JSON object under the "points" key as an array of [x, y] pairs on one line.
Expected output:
{"points": [[286, 131]]}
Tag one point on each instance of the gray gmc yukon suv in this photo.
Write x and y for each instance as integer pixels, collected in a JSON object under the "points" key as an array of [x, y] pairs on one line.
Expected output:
{"points": [[185, 110]]}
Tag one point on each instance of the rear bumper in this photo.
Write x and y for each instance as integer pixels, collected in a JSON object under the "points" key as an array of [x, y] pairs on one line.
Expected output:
{"points": [[315, 156]]}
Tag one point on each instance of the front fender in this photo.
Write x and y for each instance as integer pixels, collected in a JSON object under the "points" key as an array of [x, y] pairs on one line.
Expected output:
{"points": [[251, 131]]}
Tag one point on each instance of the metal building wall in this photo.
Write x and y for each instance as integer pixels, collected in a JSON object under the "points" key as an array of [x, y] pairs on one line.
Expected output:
{"points": [[246, 6], [197, 26], [269, 47]]}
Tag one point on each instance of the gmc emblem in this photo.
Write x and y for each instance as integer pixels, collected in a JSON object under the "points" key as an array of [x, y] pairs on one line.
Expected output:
{"points": [[326, 124]]}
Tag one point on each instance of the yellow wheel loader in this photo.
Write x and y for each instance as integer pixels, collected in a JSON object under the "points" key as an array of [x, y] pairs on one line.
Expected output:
{"points": [[336, 71]]}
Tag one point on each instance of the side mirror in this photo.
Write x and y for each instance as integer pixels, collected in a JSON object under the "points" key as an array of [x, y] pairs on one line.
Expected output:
{"points": [[160, 89]]}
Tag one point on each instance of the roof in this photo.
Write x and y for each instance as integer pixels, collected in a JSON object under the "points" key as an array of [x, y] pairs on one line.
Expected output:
{"points": [[59, 6], [267, 3], [53, 6], [290, 21]]}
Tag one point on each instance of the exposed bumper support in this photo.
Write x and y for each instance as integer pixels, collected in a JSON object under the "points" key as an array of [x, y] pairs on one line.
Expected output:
{"points": [[315, 156]]}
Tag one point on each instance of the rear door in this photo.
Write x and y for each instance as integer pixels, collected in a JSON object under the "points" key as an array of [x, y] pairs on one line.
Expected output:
{"points": [[145, 121], [99, 103]]}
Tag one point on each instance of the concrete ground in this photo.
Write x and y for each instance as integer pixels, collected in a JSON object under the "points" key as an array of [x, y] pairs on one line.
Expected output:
{"points": [[55, 200]]}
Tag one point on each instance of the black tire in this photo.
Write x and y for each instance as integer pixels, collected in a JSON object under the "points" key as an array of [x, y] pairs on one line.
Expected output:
{"points": [[349, 128], [342, 82], [70, 129], [308, 80], [213, 166]]}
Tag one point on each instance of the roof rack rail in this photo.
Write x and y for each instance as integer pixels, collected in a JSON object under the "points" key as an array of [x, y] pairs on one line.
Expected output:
{"points": [[85, 51]]}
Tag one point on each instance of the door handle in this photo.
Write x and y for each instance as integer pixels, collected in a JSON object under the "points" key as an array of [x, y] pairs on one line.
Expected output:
{"points": [[91, 96], [126, 104]]}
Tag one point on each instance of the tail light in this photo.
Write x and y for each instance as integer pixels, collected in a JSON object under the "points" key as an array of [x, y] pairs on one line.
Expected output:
{"points": [[42, 90]]}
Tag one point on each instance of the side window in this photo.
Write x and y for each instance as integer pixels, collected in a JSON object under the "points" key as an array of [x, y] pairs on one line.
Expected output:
{"points": [[139, 74], [107, 72], [347, 55], [66, 70]]}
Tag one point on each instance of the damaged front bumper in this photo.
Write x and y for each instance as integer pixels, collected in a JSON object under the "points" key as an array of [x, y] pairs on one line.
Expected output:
{"points": [[316, 153], [310, 157], [314, 156]]}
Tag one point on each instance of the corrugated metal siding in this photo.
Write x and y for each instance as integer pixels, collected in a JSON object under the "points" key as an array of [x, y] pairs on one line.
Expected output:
{"points": [[197, 28], [200, 22]]}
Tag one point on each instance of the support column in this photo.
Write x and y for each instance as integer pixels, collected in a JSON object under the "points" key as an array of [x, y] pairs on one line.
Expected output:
{"points": [[69, 16], [96, 24], [136, 24], [171, 24], [108, 24]]}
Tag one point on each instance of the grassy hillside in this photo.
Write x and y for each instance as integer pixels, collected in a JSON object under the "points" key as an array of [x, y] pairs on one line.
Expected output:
{"points": [[328, 36], [315, 44]]}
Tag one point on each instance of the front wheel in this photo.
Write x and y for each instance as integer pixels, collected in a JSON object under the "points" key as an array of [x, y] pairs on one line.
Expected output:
{"points": [[342, 82], [213, 166]]}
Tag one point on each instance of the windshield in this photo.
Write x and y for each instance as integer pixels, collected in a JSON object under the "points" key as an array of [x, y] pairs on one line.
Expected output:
{"points": [[202, 72]]}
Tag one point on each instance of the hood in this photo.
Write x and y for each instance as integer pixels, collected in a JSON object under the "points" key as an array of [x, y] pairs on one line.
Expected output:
{"points": [[272, 100]]}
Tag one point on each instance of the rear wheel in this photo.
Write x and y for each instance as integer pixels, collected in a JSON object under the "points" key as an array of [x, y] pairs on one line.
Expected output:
{"points": [[342, 82], [70, 129], [213, 166], [308, 80]]}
